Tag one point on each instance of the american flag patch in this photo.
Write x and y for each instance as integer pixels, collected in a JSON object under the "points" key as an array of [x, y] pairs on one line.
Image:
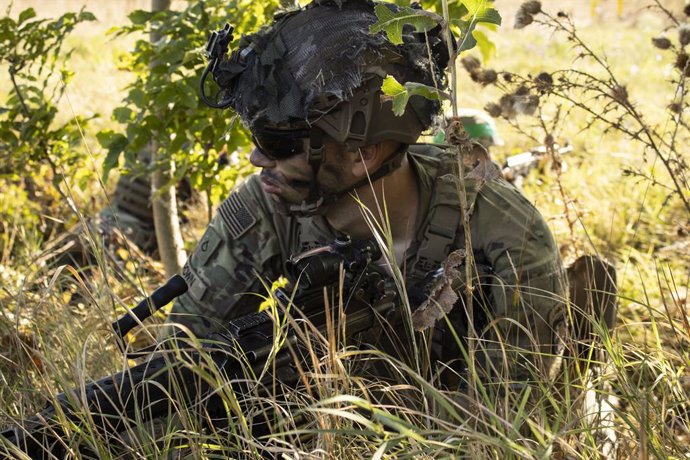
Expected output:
{"points": [[236, 216]]}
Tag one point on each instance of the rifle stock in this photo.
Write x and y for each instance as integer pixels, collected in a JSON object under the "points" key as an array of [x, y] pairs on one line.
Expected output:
{"points": [[516, 167], [238, 353]]}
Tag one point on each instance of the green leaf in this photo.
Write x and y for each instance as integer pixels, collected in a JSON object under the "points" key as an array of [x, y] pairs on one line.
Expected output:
{"points": [[160, 68], [86, 16], [115, 143], [153, 123], [139, 17], [391, 87], [138, 97], [122, 114], [193, 57], [392, 23], [401, 93], [165, 97], [474, 5], [489, 16], [137, 134], [177, 143], [115, 30], [109, 138], [66, 75], [188, 96], [26, 15], [457, 10], [478, 12], [486, 46], [427, 92], [111, 161], [468, 41]]}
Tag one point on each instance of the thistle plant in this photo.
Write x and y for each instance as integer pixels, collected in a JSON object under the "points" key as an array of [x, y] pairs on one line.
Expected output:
{"points": [[604, 98]]}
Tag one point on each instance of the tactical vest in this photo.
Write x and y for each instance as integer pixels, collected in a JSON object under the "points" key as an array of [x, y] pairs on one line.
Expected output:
{"points": [[439, 233], [442, 231]]}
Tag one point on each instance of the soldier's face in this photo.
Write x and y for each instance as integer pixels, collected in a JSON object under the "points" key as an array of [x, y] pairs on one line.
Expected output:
{"points": [[285, 181], [288, 181]]}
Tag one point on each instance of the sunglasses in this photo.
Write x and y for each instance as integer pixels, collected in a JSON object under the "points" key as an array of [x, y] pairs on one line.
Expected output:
{"points": [[277, 144]]}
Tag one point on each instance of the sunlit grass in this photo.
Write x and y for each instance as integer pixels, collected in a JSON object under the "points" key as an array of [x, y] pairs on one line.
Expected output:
{"points": [[53, 324]]}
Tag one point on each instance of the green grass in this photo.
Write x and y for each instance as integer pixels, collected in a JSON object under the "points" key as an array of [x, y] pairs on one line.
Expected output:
{"points": [[50, 343]]}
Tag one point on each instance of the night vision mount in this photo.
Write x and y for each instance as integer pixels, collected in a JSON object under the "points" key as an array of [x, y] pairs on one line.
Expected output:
{"points": [[222, 68]]}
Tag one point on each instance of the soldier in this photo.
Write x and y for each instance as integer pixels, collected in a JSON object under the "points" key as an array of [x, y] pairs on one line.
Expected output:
{"points": [[479, 126], [327, 143]]}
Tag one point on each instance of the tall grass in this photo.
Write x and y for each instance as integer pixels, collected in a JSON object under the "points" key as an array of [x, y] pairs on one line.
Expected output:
{"points": [[53, 320]]}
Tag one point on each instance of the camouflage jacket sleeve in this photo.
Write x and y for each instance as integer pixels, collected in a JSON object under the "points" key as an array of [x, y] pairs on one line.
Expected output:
{"points": [[240, 245], [528, 286]]}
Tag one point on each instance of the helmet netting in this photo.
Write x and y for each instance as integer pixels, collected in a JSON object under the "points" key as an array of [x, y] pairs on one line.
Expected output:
{"points": [[322, 51]]}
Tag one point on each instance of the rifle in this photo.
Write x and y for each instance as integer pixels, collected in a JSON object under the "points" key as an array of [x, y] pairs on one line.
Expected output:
{"points": [[516, 167], [239, 352]]}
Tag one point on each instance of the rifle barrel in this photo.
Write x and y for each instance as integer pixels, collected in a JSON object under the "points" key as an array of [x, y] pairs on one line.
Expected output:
{"points": [[174, 287]]}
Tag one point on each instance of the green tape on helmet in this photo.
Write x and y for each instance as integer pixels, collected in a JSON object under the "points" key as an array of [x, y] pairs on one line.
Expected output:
{"points": [[478, 125], [480, 130]]}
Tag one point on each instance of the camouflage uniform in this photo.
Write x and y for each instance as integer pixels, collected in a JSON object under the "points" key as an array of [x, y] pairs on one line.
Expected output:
{"points": [[247, 240]]}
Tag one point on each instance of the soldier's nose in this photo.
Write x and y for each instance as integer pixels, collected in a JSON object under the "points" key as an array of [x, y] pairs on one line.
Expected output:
{"points": [[258, 159]]}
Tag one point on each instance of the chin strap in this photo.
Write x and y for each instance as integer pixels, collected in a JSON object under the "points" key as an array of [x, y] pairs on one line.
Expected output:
{"points": [[316, 201]]}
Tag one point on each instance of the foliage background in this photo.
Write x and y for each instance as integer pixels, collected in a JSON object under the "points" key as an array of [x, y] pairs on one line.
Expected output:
{"points": [[46, 334]]}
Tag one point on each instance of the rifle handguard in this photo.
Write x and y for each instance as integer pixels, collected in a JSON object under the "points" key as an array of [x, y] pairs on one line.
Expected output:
{"points": [[173, 288], [147, 391]]}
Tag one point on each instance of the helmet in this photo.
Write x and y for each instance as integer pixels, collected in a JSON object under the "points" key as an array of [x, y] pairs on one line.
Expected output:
{"points": [[479, 126], [318, 70]]}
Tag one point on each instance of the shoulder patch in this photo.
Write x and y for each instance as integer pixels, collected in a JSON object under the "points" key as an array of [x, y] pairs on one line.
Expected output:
{"points": [[187, 274], [236, 215], [207, 247], [197, 288]]}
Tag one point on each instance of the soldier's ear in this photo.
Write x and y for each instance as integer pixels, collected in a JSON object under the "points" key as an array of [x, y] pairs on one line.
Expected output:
{"points": [[368, 159]]}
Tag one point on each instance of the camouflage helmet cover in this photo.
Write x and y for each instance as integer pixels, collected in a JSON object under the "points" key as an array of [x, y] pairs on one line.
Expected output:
{"points": [[320, 65]]}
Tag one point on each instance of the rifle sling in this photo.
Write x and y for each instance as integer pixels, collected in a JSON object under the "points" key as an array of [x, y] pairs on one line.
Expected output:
{"points": [[443, 226]]}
